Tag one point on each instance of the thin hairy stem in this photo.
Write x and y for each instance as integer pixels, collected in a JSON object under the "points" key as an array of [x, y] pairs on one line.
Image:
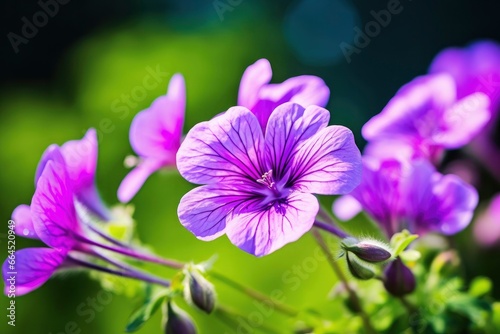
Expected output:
{"points": [[355, 302]]}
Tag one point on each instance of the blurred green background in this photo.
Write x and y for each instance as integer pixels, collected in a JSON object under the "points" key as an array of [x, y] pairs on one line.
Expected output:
{"points": [[70, 75]]}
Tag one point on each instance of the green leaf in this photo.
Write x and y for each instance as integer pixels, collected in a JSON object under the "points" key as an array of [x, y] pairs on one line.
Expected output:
{"points": [[410, 255], [480, 286], [401, 240], [154, 298]]}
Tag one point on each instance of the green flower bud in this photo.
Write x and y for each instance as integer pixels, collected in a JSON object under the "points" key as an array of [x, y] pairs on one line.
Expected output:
{"points": [[359, 269], [367, 250], [198, 290], [177, 321]]}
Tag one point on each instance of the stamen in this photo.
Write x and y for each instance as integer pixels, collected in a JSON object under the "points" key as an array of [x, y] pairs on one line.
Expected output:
{"points": [[267, 179]]}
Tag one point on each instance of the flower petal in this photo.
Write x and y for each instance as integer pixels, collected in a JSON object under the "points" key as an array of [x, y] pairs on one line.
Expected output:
{"points": [[289, 126], [33, 267], [262, 230], [53, 152], [434, 202], [464, 120], [80, 157], [414, 110], [204, 210], [136, 178], [52, 207], [305, 90], [254, 78], [486, 227], [379, 192], [346, 207], [224, 148], [24, 224], [156, 132], [329, 163]]}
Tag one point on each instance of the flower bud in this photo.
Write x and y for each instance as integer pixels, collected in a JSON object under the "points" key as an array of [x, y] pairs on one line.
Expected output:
{"points": [[198, 290], [367, 250], [359, 269], [399, 279], [177, 321]]}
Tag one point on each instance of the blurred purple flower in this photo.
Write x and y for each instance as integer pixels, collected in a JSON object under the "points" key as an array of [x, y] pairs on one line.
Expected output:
{"points": [[476, 68], [487, 225], [424, 118], [257, 188], [261, 97], [410, 195], [155, 135]]}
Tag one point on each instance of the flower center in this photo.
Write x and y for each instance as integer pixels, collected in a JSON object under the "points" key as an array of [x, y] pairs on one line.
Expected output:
{"points": [[274, 194], [268, 180]]}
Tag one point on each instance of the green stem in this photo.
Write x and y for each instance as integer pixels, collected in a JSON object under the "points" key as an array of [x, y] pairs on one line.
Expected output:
{"points": [[283, 308], [355, 302]]}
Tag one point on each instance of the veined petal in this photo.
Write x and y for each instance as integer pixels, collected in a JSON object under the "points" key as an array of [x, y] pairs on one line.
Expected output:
{"points": [[52, 207], [305, 90], [379, 192], [262, 230], [254, 78], [204, 210], [33, 267], [156, 132], [289, 126], [329, 163], [53, 152], [415, 110], [464, 120], [136, 178], [80, 157], [226, 147], [24, 224]]}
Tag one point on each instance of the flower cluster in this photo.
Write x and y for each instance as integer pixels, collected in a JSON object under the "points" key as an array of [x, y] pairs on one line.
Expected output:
{"points": [[259, 166]]}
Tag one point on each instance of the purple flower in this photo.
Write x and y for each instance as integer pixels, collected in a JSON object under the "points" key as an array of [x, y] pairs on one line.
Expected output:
{"points": [[261, 97], [410, 195], [257, 188], [64, 190], [155, 135], [424, 118], [53, 220], [487, 225], [476, 68], [80, 160]]}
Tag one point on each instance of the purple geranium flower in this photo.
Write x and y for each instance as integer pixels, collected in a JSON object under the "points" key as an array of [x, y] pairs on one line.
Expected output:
{"points": [[261, 97], [257, 187], [80, 160], [53, 220], [410, 195], [64, 200], [476, 68], [426, 116], [155, 135]]}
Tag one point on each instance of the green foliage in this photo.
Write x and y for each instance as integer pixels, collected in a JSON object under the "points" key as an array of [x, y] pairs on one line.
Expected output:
{"points": [[154, 298]]}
